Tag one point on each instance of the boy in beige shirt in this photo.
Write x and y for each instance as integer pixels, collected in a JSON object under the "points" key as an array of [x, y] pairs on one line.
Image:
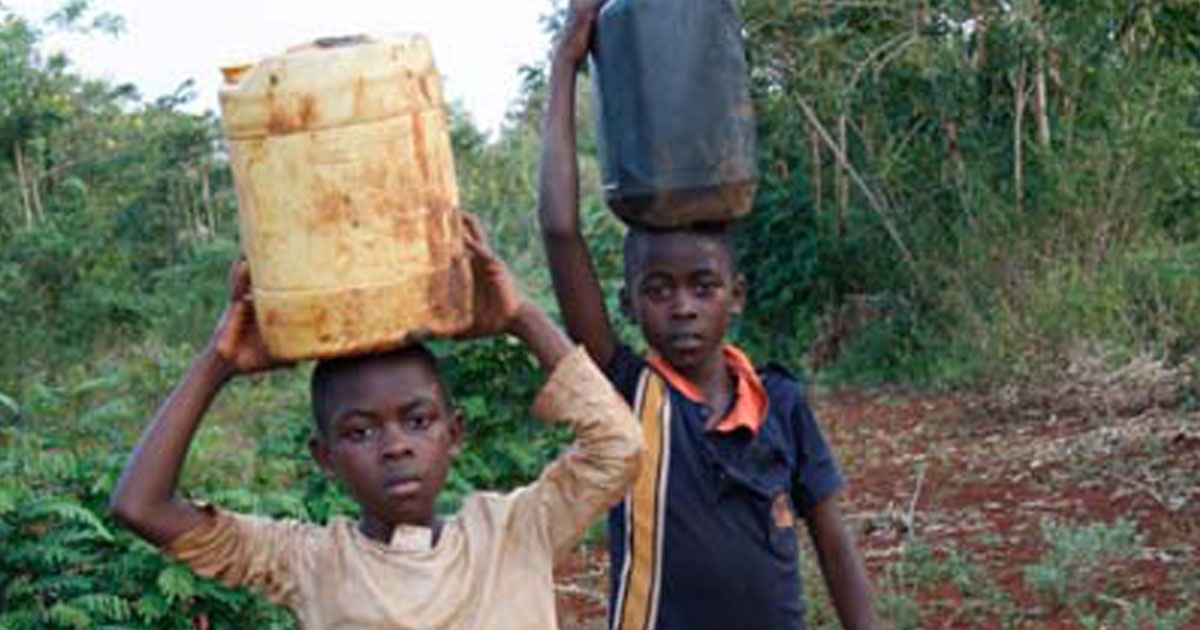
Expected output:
{"points": [[387, 430]]}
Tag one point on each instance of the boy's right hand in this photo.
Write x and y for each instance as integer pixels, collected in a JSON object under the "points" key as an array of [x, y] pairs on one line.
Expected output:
{"points": [[237, 340], [497, 298], [576, 38]]}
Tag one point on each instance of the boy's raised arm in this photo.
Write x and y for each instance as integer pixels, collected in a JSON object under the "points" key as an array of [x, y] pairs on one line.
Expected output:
{"points": [[145, 499], [575, 284], [581, 484]]}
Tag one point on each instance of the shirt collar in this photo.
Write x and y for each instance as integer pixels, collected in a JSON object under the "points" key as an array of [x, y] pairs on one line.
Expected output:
{"points": [[750, 398], [411, 538]]}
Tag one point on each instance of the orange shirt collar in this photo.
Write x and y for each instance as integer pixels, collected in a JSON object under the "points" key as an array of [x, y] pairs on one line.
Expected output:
{"points": [[750, 406]]}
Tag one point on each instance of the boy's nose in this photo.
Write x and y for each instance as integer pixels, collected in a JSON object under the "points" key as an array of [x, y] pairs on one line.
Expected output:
{"points": [[395, 441], [683, 306]]}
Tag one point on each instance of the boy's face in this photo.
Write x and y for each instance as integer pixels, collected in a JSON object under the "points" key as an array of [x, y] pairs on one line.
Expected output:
{"points": [[390, 439], [683, 294]]}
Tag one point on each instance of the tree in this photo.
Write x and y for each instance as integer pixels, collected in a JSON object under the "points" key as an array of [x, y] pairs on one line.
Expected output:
{"points": [[922, 116], [36, 94]]}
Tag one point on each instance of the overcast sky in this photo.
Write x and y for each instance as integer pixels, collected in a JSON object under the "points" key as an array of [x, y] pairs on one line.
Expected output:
{"points": [[478, 45]]}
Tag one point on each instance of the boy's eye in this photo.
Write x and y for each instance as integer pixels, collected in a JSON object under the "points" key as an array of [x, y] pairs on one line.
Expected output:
{"points": [[418, 422], [358, 434], [707, 285], [656, 290]]}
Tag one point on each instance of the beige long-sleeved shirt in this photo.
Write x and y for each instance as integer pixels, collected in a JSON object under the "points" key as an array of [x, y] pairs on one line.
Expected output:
{"points": [[492, 565]]}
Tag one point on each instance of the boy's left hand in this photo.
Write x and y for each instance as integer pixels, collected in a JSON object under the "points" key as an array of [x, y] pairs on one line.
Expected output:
{"points": [[575, 39], [497, 298], [237, 340]]}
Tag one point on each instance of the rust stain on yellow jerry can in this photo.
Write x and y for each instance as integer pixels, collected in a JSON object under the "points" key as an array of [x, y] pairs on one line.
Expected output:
{"points": [[348, 204]]}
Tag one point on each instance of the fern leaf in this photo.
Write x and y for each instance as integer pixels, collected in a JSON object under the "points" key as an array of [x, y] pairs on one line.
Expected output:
{"points": [[20, 620], [109, 412], [71, 512], [67, 615], [108, 607], [177, 582], [8, 499], [9, 406], [153, 608]]}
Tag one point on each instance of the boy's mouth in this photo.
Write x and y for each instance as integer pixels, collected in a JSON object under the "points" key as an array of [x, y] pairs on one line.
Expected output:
{"points": [[402, 485], [686, 341]]}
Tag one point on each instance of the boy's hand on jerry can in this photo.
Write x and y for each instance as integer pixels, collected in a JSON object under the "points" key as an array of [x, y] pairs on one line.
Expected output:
{"points": [[238, 339], [497, 298], [576, 37]]}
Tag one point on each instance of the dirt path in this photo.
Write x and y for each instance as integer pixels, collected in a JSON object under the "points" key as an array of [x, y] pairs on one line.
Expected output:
{"points": [[972, 515]]}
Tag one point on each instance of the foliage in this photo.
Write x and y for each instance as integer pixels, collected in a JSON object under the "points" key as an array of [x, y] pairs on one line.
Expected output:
{"points": [[1080, 560], [103, 198], [64, 563], [900, 592], [960, 161], [1075, 573], [494, 382], [1142, 614], [499, 183]]}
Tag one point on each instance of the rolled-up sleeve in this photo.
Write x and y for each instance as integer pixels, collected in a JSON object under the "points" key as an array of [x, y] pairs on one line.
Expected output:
{"points": [[262, 554], [595, 473]]}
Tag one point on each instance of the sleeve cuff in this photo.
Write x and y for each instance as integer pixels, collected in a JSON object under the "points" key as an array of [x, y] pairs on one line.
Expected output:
{"points": [[184, 546]]}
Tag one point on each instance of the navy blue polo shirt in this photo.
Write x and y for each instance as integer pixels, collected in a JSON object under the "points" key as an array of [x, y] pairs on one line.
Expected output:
{"points": [[728, 552]]}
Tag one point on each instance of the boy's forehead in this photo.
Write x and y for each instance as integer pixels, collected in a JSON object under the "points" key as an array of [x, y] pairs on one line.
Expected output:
{"points": [[681, 249], [403, 377]]}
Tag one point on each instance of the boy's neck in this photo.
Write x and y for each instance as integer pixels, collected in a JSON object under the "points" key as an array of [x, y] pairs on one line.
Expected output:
{"points": [[714, 379]]}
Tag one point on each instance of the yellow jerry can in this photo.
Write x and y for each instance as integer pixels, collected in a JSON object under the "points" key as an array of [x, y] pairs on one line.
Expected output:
{"points": [[348, 204]]}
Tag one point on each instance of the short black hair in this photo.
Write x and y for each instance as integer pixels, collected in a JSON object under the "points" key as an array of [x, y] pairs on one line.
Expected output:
{"points": [[328, 371], [637, 235]]}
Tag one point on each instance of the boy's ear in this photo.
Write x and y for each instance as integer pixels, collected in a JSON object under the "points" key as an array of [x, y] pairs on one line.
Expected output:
{"points": [[458, 431], [320, 453], [739, 294]]}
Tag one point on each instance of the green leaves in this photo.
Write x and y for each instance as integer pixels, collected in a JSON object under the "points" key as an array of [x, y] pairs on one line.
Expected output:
{"points": [[10, 411], [1080, 559], [105, 607], [68, 566], [494, 381], [176, 583], [1000, 137], [73, 16], [69, 512]]}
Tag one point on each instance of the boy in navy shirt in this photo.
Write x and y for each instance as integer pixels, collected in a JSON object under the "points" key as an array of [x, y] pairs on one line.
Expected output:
{"points": [[706, 536]]}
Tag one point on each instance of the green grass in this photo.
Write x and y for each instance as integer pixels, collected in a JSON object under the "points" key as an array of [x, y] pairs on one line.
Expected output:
{"points": [[1076, 568]]}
